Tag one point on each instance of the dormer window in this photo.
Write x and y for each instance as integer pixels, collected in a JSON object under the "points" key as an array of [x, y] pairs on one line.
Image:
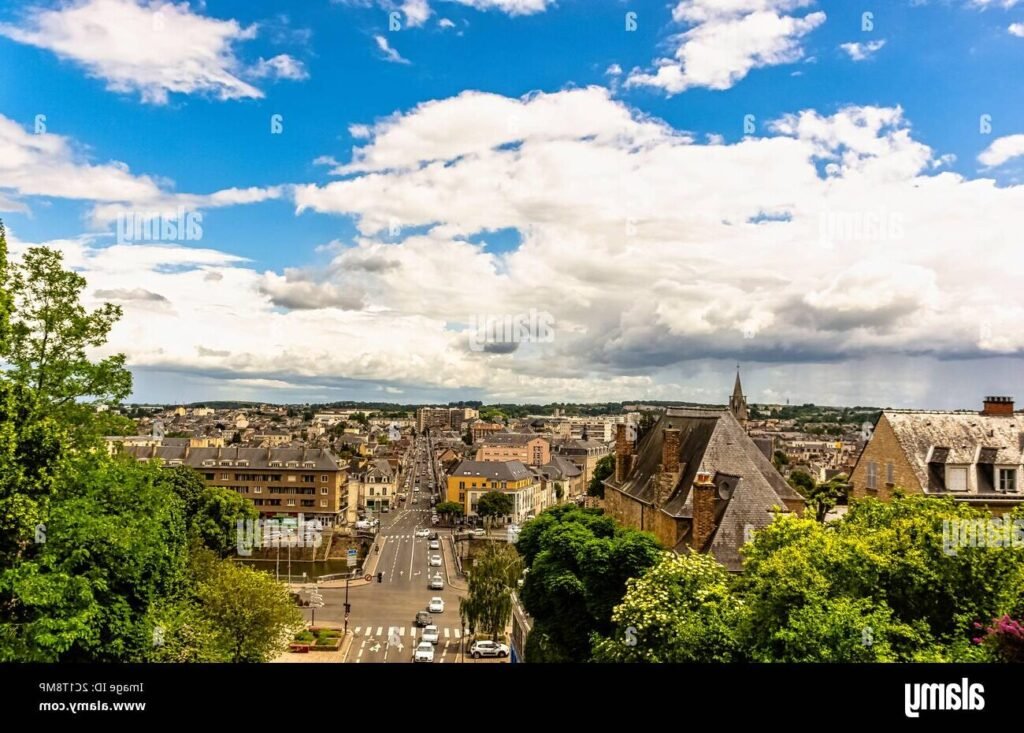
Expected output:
{"points": [[242, 463], [309, 464], [293, 464], [275, 464], [1007, 480], [225, 463], [956, 478], [209, 462]]}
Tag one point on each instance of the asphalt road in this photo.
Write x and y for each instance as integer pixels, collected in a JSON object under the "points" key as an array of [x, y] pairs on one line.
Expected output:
{"points": [[385, 612]]}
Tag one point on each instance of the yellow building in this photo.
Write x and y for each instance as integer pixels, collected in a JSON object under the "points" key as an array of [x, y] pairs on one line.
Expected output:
{"points": [[473, 479]]}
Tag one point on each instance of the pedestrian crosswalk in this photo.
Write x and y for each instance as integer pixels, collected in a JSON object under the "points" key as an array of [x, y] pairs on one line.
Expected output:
{"points": [[446, 632]]}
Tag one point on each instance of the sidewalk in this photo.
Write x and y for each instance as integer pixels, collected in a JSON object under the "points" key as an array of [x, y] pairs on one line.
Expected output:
{"points": [[448, 551]]}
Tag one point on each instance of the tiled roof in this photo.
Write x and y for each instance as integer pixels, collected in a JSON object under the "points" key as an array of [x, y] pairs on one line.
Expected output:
{"points": [[493, 470]]}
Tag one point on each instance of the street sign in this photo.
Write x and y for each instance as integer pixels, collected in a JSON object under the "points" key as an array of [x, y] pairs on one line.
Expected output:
{"points": [[351, 558]]}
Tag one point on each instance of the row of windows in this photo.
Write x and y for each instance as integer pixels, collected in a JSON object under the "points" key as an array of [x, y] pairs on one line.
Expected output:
{"points": [[273, 464], [872, 477], [956, 478], [275, 490], [291, 502]]}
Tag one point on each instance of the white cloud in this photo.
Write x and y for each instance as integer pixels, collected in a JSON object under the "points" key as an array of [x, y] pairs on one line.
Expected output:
{"points": [[416, 12], [281, 66], [445, 23], [51, 166], [1016, 29], [153, 48], [862, 51], [728, 39], [1002, 150], [512, 7], [1006, 4], [390, 54]]}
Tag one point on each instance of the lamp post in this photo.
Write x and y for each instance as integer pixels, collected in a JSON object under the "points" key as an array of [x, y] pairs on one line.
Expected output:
{"points": [[463, 642]]}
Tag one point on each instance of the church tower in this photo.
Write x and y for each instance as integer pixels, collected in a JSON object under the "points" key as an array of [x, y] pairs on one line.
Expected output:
{"points": [[738, 403]]}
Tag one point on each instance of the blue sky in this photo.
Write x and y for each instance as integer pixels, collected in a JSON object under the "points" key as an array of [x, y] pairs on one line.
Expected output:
{"points": [[196, 119]]}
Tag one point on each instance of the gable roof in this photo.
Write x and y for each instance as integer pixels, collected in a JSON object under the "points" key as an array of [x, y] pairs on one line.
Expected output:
{"points": [[712, 441], [493, 470]]}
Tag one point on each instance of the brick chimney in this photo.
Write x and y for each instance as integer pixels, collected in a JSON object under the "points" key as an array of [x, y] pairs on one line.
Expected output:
{"points": [[998, 406], [704, 495], [668, 475], [623, 452]]}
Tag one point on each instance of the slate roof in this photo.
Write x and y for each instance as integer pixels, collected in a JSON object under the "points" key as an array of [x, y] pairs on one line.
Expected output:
{"points": [[713, 441], [513, 439], [493, 470], [958, 438], [256, 457]]}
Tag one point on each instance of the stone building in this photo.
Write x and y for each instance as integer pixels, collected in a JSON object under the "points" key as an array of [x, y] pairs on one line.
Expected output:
{"points": [[697, 482]]}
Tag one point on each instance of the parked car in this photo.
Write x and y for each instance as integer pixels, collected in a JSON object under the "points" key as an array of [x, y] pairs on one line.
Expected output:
{"points": [[430, 634], [479, 532], [488, 649], [437, 583], [434, 545], [423, 618], [424, 652], [422, 532], [436, 605], [385, 509], [435, 561], [435, 536]]}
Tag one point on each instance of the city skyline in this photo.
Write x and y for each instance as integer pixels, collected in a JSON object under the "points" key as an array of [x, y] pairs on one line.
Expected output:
{"points": [[354, 188]]}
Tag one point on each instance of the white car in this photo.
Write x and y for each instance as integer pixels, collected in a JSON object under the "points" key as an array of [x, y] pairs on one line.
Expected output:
{"points": [[487, 649], [435, 561], [422, 532], [424, 652], [430, 635], [415, 488], [436, 605], [437, 583], [434, 545]]}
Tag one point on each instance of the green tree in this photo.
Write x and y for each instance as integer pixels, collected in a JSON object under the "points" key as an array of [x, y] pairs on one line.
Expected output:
{"points": [[578, 563], [449, 509], [604, 468], [51, 332], [802, 482], [824, 496], [495, 504], [217, 516], [487, 605], [680, 610], [254, 615], [780, 459]]}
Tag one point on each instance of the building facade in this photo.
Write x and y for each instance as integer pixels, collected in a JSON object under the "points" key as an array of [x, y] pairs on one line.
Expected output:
{"points": [[472, 479], [527, 448], [973, 457], [280, 482]]}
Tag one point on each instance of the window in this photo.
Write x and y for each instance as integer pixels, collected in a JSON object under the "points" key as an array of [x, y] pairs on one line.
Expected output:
{"points": [[291, 502], [275, 464], [323, 478], [956, 479], [309, 464], [323, 502], [872, 477], [323, 490], [209, 476], [890, 473], [1008, 480], [257, 489], [225, 477]]}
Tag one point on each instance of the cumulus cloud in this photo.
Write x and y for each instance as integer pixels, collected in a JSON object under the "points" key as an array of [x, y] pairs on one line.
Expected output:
{"points": [[1016, 29], [862, 51], [1001, 150], [130, 294], [154, 48], [727, 40]]}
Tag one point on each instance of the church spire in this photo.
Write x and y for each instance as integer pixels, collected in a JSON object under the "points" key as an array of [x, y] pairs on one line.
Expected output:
{"points": [[738, 403]]}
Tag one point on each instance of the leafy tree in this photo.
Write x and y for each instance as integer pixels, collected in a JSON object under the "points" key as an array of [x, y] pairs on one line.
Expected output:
{"points": [[780, 459], [467, 437], [182, 633], [449, 509], [604, 468], [112, 423], [824, 496], [495, 504], [802, 482], [487, 605], [51, 331], [216, 519], [680, 610], [579, 561], [253, 615], [899, 568]]}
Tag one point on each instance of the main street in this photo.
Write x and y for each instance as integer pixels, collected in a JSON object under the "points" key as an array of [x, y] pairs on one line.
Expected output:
{"points": [[384, 612]]}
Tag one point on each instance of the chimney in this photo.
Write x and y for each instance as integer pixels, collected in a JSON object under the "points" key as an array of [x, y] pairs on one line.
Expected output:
{"points": [[622, 453], [999, 406], [704, 495], [668, 475]]}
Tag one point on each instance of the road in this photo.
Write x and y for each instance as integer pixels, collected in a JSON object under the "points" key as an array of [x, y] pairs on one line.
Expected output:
{"points": [[386, 611]]}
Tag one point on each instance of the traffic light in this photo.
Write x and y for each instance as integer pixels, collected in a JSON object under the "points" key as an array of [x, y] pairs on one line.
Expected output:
{"points": [[380, 577], [348, 608]]}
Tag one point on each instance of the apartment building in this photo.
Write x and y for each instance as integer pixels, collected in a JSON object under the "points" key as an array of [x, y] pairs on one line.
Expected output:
{"points": [[372, 487], [527, 448], [472, 479], [444, 418], [280, 482], [973, 457]]}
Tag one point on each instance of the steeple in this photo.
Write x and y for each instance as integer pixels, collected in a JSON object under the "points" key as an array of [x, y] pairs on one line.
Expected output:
{"points": [[738, 403]]}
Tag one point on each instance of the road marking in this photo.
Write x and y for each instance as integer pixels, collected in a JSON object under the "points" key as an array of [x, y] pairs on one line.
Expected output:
{"points": [[356, 632], [380, 630], [445, 632], [369, 630], [458, 633], [375, 648], [445, 647]]}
